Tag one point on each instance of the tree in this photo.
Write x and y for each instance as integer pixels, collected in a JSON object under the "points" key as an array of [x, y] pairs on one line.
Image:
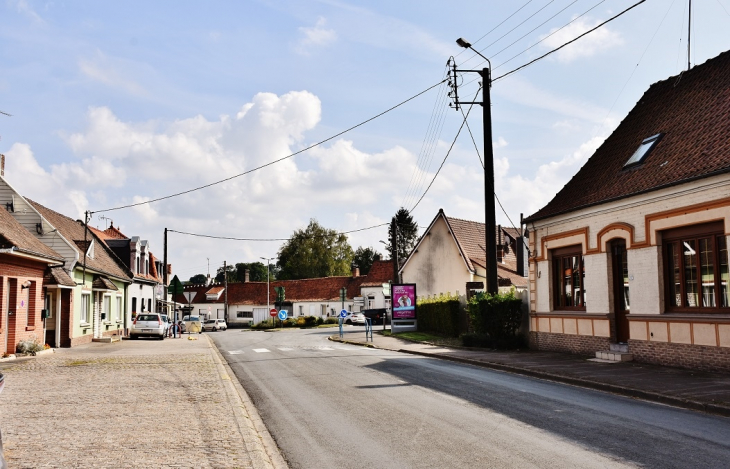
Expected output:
{"points": [[364, 258], [314, 252], [199, 279], [231, 274], [256, 271], [407, 230]]}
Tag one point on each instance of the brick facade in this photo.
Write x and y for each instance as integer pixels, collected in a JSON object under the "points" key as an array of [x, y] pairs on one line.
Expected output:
{"points": [[21, 306], [698, 357], [577, 344]]}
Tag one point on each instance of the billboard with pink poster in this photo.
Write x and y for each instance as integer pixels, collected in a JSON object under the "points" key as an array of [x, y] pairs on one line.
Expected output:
{"points": [[403, 300]]}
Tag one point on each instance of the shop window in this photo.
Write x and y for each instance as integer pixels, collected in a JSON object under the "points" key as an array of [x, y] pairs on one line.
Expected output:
{"points": [[696, 272], [568, 279]]}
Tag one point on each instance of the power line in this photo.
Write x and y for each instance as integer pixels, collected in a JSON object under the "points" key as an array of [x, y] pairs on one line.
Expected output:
{"points": [[551, 34], [445, 157], [500, 24], [275, 161], [569, 42], [199, 235]]}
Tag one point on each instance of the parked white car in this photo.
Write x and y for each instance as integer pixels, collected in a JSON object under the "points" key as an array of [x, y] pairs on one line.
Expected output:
{"points": [[192, 324], [215, 325], [148, 325], [355, 318]]}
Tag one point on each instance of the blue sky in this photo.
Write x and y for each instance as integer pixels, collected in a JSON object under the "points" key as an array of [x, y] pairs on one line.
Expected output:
{"points": [[119, 102]]}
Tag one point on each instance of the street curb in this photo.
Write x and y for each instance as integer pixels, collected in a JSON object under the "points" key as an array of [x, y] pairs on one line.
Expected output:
{"points": [[270, 455], [581, 382]]}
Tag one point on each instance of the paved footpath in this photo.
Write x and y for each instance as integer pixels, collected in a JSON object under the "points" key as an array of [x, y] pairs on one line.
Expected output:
{"points": [[143, 403], [690, 389]]}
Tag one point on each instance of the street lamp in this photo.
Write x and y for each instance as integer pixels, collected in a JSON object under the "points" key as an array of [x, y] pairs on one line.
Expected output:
{"points": [[268, 276], [490, 221]]}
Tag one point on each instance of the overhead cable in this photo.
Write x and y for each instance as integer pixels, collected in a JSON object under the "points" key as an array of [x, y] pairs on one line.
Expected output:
{"points": [[275, 161]]}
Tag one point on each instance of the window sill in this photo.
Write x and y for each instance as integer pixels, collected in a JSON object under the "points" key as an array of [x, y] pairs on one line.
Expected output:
{"points": [[723, 318], [29, 328], [85, 325], [566, 313], [106, 323]]}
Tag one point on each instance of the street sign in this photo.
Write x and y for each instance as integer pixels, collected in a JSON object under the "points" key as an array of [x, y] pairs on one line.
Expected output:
{"points": [[189, 295], [283, 314], [273, 313], [386, 290], [343, 313], [176, 286], [359, 300]]}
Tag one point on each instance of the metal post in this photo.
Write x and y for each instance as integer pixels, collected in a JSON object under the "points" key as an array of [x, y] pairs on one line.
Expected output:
{"points": [[394, 243], [225, 293], [489, 213]]}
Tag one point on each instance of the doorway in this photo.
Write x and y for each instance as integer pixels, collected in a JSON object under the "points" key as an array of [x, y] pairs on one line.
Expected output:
{"points": [[621, 304]]}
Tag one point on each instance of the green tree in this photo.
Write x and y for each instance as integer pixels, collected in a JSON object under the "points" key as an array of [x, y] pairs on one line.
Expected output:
{"points": [[314, 252], [231, 273], [256, 271], [407, 230], [364, 258], [198, 279]]}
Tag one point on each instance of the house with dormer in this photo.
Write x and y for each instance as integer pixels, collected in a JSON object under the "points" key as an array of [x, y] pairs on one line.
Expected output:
{"points": [[88, 291], [145, 293], [630, 258]]}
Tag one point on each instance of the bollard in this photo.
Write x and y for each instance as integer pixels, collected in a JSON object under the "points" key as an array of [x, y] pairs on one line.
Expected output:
{"points": [[368, 329], [340, 323]]}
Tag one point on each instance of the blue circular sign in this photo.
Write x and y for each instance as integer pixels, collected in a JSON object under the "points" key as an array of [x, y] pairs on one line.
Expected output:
{"points": [[343, 313], [283, 314]]}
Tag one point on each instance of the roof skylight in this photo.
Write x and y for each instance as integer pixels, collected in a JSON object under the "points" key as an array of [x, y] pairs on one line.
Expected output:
{"points": [[646, 146]]}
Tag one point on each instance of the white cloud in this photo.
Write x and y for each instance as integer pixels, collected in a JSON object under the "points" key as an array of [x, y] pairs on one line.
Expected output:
{"points": [[500, 143], [316, 36], [111, 73], [599, 40], [23, 7]]}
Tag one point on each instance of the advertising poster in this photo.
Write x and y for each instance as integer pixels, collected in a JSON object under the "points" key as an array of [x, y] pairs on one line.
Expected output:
{"points": [[404, 301]]}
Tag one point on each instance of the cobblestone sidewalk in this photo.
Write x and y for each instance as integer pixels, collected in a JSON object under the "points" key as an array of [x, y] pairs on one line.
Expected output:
{"points": [[131, 404]]}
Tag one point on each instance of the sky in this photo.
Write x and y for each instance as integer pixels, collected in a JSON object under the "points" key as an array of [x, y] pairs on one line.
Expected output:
{"points": [[119, 103]]}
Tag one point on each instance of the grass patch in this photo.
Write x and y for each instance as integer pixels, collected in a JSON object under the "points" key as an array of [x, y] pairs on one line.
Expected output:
{"points": [[425, 337], [327, 325]]}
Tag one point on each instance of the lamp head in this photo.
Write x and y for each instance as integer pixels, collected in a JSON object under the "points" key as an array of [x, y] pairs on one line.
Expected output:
{"points": [[463, 43]]}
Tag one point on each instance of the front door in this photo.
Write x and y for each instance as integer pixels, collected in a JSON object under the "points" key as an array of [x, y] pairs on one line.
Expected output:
{"points": [[51, 320], [620, 290]]}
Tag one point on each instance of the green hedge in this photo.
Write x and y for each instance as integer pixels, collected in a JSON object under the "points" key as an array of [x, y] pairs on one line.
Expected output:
{"points": [[498, 317], [439, 315]]}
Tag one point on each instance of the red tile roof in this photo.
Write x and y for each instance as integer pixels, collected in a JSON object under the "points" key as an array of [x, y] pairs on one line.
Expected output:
{"points": [[13, 234], [312, 289], [104, 259], [692, 110]]}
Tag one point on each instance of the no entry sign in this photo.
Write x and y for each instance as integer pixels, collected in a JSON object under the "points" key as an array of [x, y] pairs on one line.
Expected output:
{"points": [[273, 313]]}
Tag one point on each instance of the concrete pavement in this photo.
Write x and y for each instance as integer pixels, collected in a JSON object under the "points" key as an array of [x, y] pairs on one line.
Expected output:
{"points": [[144, 403], [696, 390]]}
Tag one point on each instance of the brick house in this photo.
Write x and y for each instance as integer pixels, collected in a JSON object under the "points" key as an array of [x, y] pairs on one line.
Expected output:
{"points": [[633, 250], [24, 262]]}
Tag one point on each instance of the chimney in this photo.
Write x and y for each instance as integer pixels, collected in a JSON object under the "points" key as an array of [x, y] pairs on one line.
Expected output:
{"points": [[500, 245], [522, 254], [2, 165], [355, 271], [246, 276]]}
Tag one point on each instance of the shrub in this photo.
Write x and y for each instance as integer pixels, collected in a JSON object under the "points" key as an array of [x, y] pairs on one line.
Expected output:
{"points": [[499, 317], [30, 345], [331, 321], [310, 321], [476, 340], [320, 321], [439, 315]]}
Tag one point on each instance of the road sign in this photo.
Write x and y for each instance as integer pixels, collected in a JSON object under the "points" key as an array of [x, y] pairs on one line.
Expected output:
{"points": [[343, 313], [189, 295], [283, 314], [359, 300], [273, 313]]}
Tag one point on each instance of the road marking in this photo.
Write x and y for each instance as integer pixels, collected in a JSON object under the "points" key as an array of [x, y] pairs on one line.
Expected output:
{"points": [[235, 352], [285, 349], [261, 350]]}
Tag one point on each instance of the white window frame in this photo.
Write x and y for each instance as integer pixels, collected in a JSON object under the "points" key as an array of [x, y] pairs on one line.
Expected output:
{"points": [[120, 306], [85, 307], [106, 307]]}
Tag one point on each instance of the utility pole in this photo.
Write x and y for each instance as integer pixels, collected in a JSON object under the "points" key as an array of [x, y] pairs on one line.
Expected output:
{"points": [[164, 277], [689, 33], [490, 222], [225, 292], [394, 244]]}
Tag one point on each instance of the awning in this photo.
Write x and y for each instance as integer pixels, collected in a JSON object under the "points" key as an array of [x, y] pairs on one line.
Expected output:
{"points": [[102, 283]]}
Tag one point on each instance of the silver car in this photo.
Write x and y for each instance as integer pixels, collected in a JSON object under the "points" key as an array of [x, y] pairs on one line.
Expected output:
{"points": [[149, 325], [215, 325]]}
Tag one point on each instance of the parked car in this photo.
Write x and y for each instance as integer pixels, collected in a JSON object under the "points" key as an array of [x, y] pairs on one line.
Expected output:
{"points": [[377, 315], [192, 324], [355, 318], [166, 321], [148, 324], [215, 325]]}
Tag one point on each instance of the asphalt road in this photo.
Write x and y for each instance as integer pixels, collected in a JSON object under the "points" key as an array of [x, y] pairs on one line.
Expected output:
{"points": [[331, 405]]}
